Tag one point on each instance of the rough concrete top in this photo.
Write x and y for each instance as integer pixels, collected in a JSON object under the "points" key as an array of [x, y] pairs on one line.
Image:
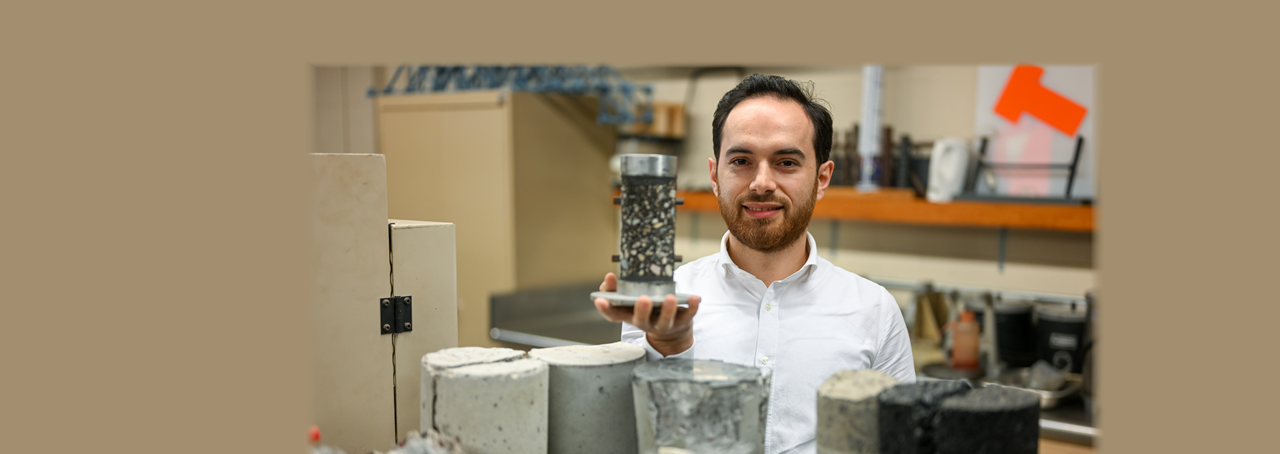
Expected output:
{"points": [[855, 385], [517, 369], [992, 398], [924, 392], [589, 355], [465, 356], [714, 373]]}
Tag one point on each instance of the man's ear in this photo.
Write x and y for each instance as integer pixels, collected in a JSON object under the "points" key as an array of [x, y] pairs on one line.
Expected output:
{"points": [[715, 185], [824, 177]]}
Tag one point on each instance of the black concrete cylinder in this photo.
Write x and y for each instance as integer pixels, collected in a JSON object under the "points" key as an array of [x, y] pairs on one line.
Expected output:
{"points": [[907, 415], [990, 420]]}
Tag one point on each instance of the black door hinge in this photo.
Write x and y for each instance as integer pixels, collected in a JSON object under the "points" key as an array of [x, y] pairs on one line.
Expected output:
{"points": [[397, 314]]}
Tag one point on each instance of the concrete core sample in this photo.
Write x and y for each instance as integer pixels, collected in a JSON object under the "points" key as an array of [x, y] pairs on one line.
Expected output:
{"points": [[591, 409], [700, 406], [496, 407], [848, 416], [907, 415], [448, 358], [990, 420]]}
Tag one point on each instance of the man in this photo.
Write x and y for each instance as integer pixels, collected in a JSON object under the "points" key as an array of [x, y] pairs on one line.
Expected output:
{"points": [[767, 299]]}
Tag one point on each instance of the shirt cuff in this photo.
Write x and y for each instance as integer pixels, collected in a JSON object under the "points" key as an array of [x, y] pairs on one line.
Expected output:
{"points": [[654, 355]]}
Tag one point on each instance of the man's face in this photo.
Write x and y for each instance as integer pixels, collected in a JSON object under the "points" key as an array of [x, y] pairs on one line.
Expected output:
{"points": [[768, 177]]}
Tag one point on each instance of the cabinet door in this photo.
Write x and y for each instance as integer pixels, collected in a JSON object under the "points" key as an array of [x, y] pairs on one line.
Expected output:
{"points": [[424, 266], [353, 401]]}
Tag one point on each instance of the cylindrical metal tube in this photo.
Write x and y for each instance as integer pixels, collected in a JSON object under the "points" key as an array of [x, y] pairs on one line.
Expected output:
{"points": [[647, 249]]}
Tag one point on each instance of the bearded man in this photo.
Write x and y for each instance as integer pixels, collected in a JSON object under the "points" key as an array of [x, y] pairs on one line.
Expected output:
{"points": [[767, 299]]}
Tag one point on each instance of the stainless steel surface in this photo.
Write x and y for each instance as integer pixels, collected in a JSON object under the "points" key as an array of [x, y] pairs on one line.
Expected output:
{"points": [[531, 340], [655, 289], [1048, 399], [649, 165]]}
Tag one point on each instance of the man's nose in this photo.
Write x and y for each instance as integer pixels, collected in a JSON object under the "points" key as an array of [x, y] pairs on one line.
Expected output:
{"points": [[764, 182]]}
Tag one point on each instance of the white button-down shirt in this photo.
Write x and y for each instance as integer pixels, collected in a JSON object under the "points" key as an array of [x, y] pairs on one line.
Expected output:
{"points": [[802, 329]]}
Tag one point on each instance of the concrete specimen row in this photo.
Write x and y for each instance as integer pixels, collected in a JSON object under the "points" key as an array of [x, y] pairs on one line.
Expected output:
{"points": [[866, 412], [606, 398], [591, 399]]}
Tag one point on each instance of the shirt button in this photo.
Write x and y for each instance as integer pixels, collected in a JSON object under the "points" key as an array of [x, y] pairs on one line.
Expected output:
{"points": [[764, 360], [742, 274], [768, 307]]}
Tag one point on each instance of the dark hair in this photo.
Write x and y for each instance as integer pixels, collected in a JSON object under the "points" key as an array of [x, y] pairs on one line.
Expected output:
{"points": [[785, 89]]}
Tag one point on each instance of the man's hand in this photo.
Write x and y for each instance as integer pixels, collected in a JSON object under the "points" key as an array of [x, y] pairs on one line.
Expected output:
{"points": [[669, 331]]}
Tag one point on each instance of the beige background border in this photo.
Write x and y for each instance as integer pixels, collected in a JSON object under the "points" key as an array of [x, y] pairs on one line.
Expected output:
{"points": [[154, 191]]}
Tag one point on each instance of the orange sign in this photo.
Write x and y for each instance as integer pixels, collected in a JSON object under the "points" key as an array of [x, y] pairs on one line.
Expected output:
{"points": [[1024, 93]]}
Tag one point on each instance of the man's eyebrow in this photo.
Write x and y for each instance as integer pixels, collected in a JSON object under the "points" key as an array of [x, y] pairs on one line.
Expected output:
{"points": [[784, 151]]}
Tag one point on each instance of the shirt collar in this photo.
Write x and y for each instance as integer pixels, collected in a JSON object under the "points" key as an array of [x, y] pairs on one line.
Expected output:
{"points": [[727, 263]]}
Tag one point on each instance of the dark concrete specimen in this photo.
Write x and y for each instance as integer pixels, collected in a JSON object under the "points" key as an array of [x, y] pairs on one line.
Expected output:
{"points": [[648, 228], [990, 420], [700, 406], [908, 415], [847, 412]]}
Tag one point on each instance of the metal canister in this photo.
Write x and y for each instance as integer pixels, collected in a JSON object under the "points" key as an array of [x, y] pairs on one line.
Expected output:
{"points": [[1060, 331], [1015, 330]]}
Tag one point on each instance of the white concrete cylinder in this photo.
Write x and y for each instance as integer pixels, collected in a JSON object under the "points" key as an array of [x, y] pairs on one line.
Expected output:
{"points": [[495, 408], [700, 406], [590, 404], [448, 358], [847, 412]]}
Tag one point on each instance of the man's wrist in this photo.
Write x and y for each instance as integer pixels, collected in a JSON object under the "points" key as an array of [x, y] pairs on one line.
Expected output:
{"points": [[670, 346]]}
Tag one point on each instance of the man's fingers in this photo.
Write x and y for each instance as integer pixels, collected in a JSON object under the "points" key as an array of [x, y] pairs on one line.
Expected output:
{"points": [[641, 313], [610, 283], [610, 313], [667, 316]]}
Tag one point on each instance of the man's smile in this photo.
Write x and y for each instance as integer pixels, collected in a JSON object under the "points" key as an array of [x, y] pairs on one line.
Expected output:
{"points": [[759, 210]]}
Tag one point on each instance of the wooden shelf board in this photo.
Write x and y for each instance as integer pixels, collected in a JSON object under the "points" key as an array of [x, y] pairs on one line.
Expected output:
{"points": [[901, 206]]}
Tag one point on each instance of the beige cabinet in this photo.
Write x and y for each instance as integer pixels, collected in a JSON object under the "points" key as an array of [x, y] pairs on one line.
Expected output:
{"points": [[524, 177], [366, 381]]}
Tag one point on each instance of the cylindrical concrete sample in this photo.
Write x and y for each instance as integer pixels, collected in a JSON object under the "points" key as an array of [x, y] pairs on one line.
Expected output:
{"points": [[848, 417], [496, 407], [434, 362], [990, 420], [647, 253], [701, 406], [590, 407], [907, 414]]}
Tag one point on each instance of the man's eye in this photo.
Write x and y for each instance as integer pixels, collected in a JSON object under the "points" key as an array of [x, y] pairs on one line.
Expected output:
{"points": [[739, 162], [789, 163]]}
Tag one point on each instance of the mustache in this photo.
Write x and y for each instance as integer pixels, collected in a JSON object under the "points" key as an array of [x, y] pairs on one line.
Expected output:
{"points": [[758, 198]]}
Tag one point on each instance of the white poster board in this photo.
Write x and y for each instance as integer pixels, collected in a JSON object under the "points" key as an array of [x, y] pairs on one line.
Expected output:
{"points": [[1032, 140]]}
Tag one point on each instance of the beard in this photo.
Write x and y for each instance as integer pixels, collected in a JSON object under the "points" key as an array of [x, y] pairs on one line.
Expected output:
{"points": [[772, 233]]}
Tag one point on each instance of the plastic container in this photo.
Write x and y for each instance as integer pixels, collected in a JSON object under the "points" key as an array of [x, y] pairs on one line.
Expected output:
{"points": [[964, 351]]}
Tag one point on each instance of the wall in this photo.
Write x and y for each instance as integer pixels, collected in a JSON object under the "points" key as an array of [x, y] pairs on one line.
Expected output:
{"points": [[344, 114]]}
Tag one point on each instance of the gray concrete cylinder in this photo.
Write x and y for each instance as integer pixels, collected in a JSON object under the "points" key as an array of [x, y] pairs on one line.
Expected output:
{"points": [[590, 404], [848, 414], [700, 406], [434, 362], [495, 408]]}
